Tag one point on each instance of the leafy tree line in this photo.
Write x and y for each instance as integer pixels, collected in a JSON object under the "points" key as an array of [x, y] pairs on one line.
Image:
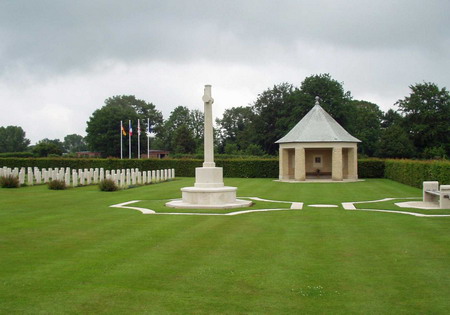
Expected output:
{"points": [[420, 128], [13, 139]]}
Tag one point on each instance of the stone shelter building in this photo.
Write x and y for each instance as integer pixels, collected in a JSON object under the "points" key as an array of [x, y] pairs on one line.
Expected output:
{"points": [[318, 148]]}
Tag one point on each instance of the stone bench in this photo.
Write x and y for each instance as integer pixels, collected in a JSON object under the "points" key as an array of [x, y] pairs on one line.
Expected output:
{"points": [[440, 195]]}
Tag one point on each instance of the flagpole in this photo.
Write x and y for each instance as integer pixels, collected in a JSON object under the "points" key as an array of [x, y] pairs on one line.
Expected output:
{"points": [[129, 138], [148, 138], [121, 140], [139, 139]]}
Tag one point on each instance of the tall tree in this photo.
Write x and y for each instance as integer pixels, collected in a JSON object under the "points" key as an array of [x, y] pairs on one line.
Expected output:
{"points": [[236, 128], [183, 140], [103, 127], [12, 139], [74, 143], [365, 125], [275, 113], [395, 143], [46, 146], [426, 113], [181, 120], [333, 98], [280, 108], [196, 125], [391, 117]]}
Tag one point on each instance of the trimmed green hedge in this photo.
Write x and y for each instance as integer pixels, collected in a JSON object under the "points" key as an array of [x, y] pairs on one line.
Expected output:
{"points": [[409, 172], [243, 168], [371, 168], [16, 155], [251, 168], [414, 173]]}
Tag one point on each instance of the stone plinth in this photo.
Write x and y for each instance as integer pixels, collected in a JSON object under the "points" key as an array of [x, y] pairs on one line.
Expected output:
{"points": [[208, 177], [208, 192], [209, 198]]}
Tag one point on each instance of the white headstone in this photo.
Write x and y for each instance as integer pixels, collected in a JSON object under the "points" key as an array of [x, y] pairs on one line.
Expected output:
{"points": [[30, 179], [67, 179], [122, 178], [22, 176], [74, 178], [128, 177], [38, 176], [144, 178]]}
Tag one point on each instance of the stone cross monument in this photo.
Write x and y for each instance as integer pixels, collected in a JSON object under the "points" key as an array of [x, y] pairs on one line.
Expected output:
{"points": [[208, 128], [209, 190]]}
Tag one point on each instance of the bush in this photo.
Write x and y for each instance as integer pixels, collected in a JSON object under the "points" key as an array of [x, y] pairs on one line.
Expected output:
{"points": [[9, 181], [57, 184], [108, 185]]}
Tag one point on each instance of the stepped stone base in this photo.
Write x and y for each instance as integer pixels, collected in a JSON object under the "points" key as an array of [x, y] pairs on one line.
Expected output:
{"points": [[209, 198], [209, 192]]}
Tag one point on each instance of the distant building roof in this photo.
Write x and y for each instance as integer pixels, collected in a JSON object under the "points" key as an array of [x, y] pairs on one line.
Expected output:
{"points": [[317, 126]]}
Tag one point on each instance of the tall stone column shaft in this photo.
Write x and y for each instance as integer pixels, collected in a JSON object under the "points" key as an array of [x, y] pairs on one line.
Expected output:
{"points": [[208, 129], [300, 170], [336, 164], [284, 164], [352, 164]]}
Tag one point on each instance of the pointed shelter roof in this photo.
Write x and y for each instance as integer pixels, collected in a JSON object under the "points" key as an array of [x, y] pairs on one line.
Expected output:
{"points": [[317, 126]]}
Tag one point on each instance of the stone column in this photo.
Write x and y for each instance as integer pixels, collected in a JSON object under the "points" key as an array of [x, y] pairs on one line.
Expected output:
{"points": [[284, 164], [208, 131], [300, 167], [352, 164], [336, 166]]}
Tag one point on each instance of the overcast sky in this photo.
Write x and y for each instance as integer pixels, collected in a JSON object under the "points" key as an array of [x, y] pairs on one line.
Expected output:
{"points": [[59, 60]]}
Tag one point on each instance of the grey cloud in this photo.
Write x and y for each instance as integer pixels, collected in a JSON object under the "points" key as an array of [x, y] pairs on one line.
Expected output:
{"points": [[60, 36]]}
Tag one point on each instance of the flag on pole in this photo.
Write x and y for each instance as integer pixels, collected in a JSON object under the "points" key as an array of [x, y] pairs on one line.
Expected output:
{"points": [[130, 133], [139, 138], [148, 138], [122, 133]]}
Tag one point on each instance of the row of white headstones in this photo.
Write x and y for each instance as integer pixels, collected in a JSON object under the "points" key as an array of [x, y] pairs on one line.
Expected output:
{"points": [[82, 177]]}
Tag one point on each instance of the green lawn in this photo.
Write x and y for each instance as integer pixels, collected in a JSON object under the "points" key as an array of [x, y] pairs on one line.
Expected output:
{"points": [[69, 252]]}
